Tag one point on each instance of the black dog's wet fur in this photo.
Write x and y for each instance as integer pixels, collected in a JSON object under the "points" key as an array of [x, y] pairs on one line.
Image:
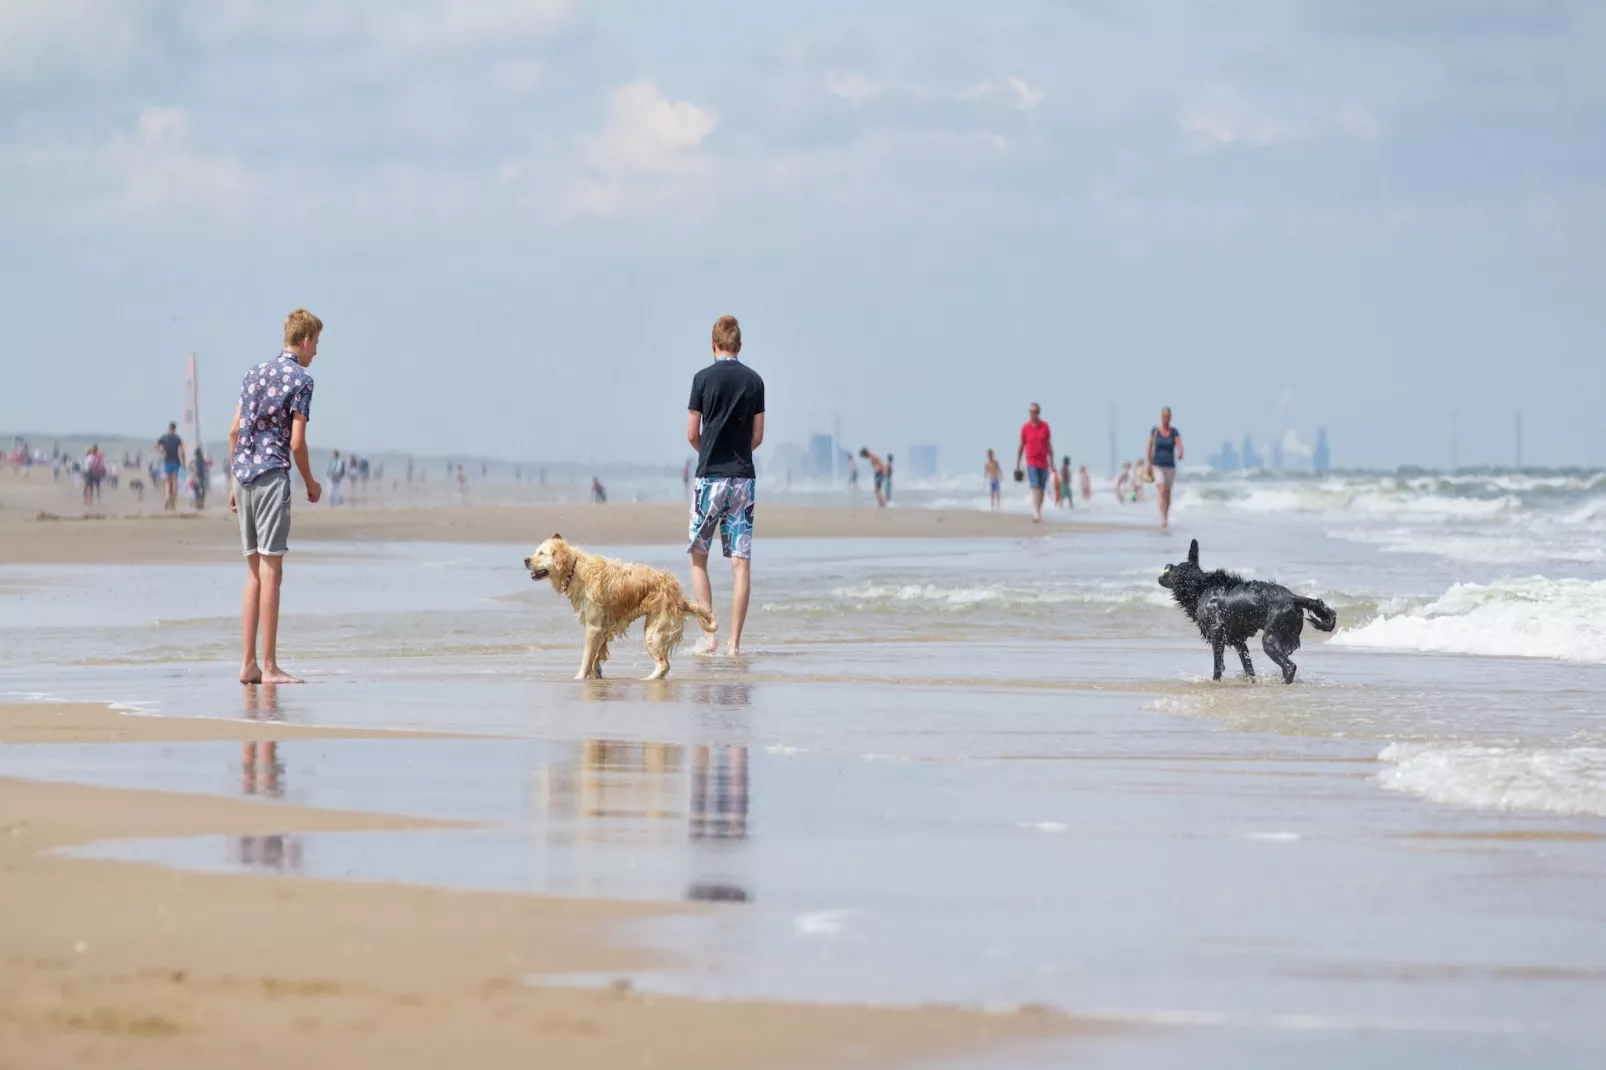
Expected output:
{"points": [[1229, 610]]}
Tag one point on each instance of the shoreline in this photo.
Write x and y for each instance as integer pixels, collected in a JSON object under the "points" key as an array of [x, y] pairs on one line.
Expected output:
{"points": [[141, 966], [39, 537]]}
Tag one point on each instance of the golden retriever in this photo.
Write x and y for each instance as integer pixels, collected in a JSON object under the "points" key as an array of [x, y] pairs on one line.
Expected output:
{"points": [[609, 595]]}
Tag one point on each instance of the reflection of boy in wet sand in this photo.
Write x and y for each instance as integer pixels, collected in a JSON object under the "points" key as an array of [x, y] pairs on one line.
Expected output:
{"points": [[259, 761]]}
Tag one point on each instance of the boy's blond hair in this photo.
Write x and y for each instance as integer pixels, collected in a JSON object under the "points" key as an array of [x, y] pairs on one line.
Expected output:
{"points": [[727, 335], [301, 325]]}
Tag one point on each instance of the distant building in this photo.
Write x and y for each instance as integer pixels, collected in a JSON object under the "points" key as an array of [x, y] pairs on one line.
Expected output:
{"points": [[1321, 457], [1251, 459], [923, 461], [1227, 459], [821, 451]]}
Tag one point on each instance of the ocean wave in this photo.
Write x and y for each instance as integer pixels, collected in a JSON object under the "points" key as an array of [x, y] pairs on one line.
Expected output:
{"points": [[1545, 780], [962, 597], [1487, 549], [1531, 617]]}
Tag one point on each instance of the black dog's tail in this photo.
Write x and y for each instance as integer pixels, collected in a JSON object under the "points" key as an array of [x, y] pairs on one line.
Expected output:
{"points": [[1321, 617]]}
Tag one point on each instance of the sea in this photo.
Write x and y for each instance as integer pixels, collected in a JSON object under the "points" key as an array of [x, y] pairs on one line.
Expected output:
{"points": [[986, 773]]}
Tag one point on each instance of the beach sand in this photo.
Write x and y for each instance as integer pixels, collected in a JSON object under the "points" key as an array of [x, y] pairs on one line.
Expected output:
{"points": [[43, 523], [135, 966]]}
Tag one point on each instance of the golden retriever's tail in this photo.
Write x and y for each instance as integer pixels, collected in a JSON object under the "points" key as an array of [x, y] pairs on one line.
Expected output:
{"points": [[704, 615]]}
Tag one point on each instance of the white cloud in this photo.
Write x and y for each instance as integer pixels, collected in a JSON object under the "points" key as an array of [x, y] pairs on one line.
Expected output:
{"points": [[1360, 124], [157, 170], [518, 77], [856, 89], [93, 35], [1221, 116], [649, 154]]}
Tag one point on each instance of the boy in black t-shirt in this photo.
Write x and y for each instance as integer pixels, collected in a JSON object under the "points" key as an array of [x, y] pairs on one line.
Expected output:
{"points": [[724, 424]]}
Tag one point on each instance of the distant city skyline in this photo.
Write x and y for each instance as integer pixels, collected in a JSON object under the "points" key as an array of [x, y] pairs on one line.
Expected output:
{"points": [[520, 218]]}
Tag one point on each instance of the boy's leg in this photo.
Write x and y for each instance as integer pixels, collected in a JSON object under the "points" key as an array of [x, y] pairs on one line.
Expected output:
{"points": [[250, 613], [270, 576], [742, 586], [702, 592]]}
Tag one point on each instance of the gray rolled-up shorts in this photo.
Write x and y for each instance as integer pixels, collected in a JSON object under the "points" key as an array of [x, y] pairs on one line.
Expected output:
{"points": [[264, 506]]}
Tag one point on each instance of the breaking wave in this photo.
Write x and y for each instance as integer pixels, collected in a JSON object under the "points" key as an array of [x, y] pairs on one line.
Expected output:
{"points": [[1546, 780], [1530, 617]]}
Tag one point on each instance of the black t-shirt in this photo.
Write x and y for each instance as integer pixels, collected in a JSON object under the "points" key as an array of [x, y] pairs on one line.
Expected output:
{"points": [[172, 448], [729, 395]]}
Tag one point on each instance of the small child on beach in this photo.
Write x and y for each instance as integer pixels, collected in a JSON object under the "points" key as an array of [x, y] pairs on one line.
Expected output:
{"points": [[269, 430], [995, 477]]}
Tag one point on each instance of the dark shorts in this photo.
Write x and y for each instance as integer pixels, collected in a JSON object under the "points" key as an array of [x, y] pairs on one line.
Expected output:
{"points": [[172, 469], [1037, 478]]}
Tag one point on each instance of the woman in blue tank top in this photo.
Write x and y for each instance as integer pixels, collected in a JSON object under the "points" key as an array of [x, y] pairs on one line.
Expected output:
{"points": [[1165, 450]]}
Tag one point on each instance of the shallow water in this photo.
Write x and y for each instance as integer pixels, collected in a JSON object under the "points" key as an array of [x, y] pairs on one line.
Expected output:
{"points": [[991, 773]]}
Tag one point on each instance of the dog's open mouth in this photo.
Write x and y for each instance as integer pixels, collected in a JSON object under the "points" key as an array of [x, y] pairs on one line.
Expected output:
{"points": [[538, 574]]}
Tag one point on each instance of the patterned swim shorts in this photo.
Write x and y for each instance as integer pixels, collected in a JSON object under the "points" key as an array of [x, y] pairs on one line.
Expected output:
{"points": [[728, 505]]}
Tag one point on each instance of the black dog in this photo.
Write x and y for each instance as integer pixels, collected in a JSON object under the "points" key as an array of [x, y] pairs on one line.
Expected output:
{"points": [[1229, 610]]}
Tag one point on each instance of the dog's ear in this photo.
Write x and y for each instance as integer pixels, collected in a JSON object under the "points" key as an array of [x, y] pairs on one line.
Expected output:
{"points": [[1193, 552], [555, 535]]}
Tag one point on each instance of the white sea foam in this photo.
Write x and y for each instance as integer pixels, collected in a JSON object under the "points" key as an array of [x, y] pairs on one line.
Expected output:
{"points": [[959, 598], [1043, 826], [821, 922], [1548, 780], [1530, 617]]}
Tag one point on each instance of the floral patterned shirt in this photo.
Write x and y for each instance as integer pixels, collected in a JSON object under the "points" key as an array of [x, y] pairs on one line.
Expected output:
{"points": [[272, 392]]}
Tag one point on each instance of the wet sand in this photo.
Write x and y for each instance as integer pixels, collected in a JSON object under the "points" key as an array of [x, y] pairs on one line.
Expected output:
{"points": [[45, 537], [135, 966]]}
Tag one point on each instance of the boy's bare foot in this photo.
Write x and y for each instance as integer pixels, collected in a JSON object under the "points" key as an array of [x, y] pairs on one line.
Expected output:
{"points": [[706, 645], [275, 675], [250, 673]]}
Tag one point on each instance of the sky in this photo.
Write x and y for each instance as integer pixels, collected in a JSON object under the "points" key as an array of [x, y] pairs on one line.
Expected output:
{"points": [[520, 218]]}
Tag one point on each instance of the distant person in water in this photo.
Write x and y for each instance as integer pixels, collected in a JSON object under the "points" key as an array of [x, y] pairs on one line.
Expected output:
{"points": [[853, 473], [1037, 450], [1121, 490], [1065, 492], [1165, 450], [337, 475], [993, 472], [1087, 484], [599, 493], [879, 468], [172, 450], [887, 490], [268, 433]]}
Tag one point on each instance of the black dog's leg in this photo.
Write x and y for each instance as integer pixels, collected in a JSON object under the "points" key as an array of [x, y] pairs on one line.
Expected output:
{"points": [[1243, 658], [1218, 649], [1273, 646]]}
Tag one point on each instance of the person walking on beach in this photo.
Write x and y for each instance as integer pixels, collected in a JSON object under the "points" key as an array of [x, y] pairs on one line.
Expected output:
{"points": [[879, 468], [994, 473], [200, 474], [887, 489], [1037, 449], [337, 475], [1065, 492], [1087, 484], [1165, 450], [1120, 482], [724, 424], [268, 432], [94, 474], [172, 448]]}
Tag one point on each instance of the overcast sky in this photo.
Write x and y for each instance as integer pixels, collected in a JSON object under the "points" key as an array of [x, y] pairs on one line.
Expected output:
{"points": [[519, 218]]}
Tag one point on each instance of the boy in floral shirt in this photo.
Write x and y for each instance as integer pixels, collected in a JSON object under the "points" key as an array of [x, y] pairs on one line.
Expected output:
{"points": [[269, 429]]}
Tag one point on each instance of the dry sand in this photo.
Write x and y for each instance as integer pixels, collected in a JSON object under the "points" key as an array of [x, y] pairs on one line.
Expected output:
{"points": [[125, 965], [38, 525]]}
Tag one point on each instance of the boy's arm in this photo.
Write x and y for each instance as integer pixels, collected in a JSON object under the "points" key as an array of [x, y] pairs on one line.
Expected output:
{"points": [[758, 431], [694, 429], [234, 445], [298, 450]]}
